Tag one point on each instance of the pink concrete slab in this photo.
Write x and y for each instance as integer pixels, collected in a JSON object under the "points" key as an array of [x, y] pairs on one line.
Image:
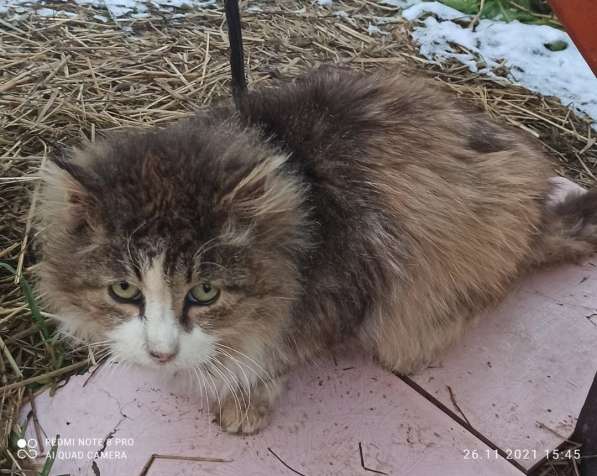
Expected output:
{"points": [[524, 372], [327, 411]]}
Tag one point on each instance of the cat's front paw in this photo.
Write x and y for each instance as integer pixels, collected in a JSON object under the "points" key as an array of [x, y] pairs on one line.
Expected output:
{"points": [[241, 420], [248, 415]]}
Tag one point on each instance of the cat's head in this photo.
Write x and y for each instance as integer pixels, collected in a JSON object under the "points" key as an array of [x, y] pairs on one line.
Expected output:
{"points": [[173, 246]]}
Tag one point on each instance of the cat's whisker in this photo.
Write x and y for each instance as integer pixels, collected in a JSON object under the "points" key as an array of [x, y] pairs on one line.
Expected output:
{"points": [[242, 366], [102, 361], [214, 264], [90, 345], [101, 342], [101, 356], [115, 362], [242, 389], [97, 352], [200, 373], [206, 409], [283, 298], [266, 374], [228, 385], [195, 371], [129, 240], [204, 248], [248, 384], [214, 386]]}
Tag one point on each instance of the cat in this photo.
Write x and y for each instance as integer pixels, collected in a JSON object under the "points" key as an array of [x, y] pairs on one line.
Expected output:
{"points": [[341, 205]]}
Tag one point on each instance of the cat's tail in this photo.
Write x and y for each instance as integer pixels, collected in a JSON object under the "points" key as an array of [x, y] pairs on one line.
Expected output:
{"points": [[569, 231]]}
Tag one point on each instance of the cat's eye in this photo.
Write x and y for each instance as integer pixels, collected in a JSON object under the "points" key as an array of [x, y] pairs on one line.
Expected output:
{"points": [[125, 292], [204, 294]]}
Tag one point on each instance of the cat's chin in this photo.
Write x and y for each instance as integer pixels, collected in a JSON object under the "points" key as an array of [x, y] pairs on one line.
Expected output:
{"points": [[175, 379], [170, 369], [166, 371]]}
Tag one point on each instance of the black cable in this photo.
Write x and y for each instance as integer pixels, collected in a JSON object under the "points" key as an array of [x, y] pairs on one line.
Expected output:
{"points": [[237, 60]]}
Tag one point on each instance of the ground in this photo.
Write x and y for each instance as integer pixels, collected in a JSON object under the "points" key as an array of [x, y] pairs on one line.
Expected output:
{"points": [[67, 78]]}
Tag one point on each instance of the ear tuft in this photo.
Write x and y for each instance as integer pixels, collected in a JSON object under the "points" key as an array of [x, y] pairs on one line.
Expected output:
{"points": [[86, 179], [269, 202], [69, 193], [264, 190]]}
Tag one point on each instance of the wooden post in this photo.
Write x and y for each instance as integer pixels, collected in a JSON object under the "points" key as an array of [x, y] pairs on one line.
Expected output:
{"points": [[579, 17]]}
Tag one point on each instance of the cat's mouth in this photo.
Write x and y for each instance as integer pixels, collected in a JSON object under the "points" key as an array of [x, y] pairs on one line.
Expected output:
{"points": [[149, 360], [169, 349]]}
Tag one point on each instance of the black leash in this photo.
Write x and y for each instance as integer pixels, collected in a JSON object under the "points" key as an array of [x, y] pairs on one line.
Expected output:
{"points": [[237, 58]]}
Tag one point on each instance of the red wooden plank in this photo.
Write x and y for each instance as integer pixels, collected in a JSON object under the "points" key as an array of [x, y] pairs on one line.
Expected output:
{"points": [[579, 17]]}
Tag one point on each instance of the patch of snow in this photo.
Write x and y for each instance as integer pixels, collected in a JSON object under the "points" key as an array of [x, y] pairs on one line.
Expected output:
{"points": [[118, 9], [375, 30], [386, 20], [50, 12], [400, 3], [521, 48], [93, 3], [324, 3], [46, 12], [340, 13], [439, 9]]}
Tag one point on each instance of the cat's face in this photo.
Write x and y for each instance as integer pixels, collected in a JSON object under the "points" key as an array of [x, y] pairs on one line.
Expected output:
{"points": [[173, 248]]}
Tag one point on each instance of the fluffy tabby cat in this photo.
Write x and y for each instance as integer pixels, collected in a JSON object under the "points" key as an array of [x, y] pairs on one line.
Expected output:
{"points": [[340, 205]]}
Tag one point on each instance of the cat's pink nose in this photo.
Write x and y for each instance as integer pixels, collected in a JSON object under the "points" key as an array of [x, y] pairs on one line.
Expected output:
{"points": [[162, 357]]}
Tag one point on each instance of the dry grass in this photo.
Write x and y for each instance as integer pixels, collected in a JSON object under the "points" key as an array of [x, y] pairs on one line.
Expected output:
{"points": [[65, 79]]}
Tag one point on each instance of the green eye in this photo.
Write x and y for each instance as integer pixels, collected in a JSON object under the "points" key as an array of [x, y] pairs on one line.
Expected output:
{"points": [[204, 294], [124, 291]]}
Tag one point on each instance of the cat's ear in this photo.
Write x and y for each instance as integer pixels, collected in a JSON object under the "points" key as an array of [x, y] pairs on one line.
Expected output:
{"points": [[73, 190], [263, 190], [154, 171], [268, 201]]}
